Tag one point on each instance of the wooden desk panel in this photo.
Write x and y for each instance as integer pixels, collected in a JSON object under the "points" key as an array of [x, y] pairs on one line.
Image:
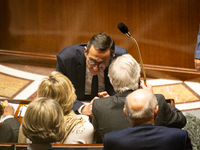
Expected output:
{"points": [[21, 146]]}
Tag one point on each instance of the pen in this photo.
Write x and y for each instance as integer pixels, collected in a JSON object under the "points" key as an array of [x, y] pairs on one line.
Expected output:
{"points": [[20, 110]]}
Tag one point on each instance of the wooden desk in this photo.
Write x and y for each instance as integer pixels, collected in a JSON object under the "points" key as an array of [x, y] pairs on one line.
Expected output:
{"points": [[21, 146]]}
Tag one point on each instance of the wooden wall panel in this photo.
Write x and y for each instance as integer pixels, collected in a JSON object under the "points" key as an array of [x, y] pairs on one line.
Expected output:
{"points": [[166, 31]]}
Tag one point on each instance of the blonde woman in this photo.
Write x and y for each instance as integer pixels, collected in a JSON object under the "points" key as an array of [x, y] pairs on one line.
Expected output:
{"points": [[58, 87], [43, 123]]}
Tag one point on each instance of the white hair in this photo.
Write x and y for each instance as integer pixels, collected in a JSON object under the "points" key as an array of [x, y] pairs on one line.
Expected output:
{"points": [[124, 73]]}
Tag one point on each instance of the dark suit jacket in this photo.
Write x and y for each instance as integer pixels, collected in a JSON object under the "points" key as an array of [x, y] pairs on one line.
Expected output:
{"points": [[9, 130], [72, 63], [197, 50], [108, 114], [147, 137]]}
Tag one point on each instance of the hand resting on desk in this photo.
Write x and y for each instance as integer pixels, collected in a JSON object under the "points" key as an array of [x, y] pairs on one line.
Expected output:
{"points": [[8, 110]]}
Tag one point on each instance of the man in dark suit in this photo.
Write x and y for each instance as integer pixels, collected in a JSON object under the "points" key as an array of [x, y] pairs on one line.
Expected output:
{"points": [[124, 74], [9, 130], [80, 63], [141, 107], [197, 52]]}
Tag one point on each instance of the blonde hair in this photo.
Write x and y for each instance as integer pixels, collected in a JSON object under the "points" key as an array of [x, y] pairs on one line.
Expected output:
{"points": [[59, 88], [43, 121]]}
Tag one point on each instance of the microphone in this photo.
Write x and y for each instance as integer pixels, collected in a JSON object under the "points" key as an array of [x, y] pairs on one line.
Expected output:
{"points": [[124, 29]]}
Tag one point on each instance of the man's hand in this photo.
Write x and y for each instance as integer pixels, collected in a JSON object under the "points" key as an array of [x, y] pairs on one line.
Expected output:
{"points": [[197, 64], [87, 109], [148, 87], [8, 110], [103, 94]]}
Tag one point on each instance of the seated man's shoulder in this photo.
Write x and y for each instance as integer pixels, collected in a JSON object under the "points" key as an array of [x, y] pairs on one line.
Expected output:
{"points": [[169, 130], [177, 133], [102, 101], [11, 120], [5, 127], [161, 100], [159, 96]]}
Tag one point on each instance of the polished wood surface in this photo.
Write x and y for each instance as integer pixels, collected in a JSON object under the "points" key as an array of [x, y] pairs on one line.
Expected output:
{"points": [[21, 146], [166, 31]]}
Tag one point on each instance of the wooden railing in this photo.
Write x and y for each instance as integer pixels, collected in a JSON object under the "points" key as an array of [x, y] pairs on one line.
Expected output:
{"points": [[21, 146], [27, 54], [45, 60]]}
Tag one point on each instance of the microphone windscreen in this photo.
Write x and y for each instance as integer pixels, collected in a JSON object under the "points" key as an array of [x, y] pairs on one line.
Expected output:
{"points": [[123, 28]]}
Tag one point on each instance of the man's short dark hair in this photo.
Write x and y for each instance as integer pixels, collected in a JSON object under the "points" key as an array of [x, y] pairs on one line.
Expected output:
{"points": [[102, 42]]}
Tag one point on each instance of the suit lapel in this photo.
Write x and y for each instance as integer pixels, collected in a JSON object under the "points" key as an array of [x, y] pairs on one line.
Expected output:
{"points": [[81, 68]]}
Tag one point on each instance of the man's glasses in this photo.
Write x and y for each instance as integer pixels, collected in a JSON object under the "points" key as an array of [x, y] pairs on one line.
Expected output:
{"points": [[101, 65]]}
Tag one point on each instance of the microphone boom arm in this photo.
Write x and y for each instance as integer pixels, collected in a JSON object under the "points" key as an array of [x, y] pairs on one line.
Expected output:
{"points": [[140, 58]]}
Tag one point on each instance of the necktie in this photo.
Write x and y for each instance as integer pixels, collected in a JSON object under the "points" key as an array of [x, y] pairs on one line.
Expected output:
{"points": [[94, 88]]}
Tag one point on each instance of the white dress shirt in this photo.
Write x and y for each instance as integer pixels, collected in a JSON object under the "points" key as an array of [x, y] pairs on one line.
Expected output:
{"points": [[88, 82]]}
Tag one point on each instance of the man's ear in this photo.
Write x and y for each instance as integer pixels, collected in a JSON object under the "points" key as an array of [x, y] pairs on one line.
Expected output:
{"points": [[113, 55], [85, 48], [124, 110], [156, 112]]}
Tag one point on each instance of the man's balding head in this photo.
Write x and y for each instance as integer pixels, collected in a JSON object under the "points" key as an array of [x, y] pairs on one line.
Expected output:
{"points": [[141, 107]]}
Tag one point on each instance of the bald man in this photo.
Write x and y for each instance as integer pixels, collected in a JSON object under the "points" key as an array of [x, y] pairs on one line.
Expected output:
{"points": [[141, 107]]}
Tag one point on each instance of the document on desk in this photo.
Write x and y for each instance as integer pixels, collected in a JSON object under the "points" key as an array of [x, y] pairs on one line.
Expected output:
{"points": [[23, 110]]}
